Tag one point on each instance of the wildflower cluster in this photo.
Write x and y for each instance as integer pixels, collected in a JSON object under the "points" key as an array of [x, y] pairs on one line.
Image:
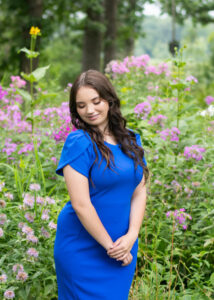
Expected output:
{"points": [[142, 110], [195, 152], [157, 120], [180, 217], [139, 62], [171, 134]]}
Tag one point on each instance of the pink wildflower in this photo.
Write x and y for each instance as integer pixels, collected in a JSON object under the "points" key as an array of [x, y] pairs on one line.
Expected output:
{"points": [[35, 187], [22, 276], [32, 238], [32, 252], [18, 267], [8, 196], [142, 110], [28, 200], [209, 100], [3, 219], [27, 230], [1, 232], [45, 233], [29, 217], [52, 225], [192, 79], [195, 152], [9, 294], [3, 278], [40, 200]]}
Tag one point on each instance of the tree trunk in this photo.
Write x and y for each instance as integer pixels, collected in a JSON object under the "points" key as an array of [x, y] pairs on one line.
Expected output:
{"points": [[92, 41], [129, 43], [111, 31]]}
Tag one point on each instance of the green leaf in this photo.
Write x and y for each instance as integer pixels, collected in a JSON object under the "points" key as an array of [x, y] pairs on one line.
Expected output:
{"points": [[212, 278], [39, 73], [28, 77], [25, 95], [29, 53]]}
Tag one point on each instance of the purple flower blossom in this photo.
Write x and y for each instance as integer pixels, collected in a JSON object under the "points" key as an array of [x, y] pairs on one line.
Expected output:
{"points": [[9, 294], [21, 224], [157, 120], [1, 232], [142, 110], [52, 225], [28, 200], [32, 238], [180, 217], [209, 100], [35, 187], [9, 148], [29, 217], [2, 184], [195, 152], [3, 219], [49, 200], [171, 134], [2, 93], [40, 200], [192, 79], [18, 267], [45, 215], [32, 252], [17, 82], [22, 276], [176, 186], [3, 278], [8, 196], [45, 233], [27, 230]]}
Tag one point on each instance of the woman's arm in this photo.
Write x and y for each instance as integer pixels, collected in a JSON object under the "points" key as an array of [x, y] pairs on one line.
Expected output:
{"points": [[124, 244], [138, 206], [78, 189]]}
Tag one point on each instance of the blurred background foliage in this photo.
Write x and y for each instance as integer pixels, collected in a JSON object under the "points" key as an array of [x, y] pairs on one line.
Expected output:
{"points": [[78, 35]]}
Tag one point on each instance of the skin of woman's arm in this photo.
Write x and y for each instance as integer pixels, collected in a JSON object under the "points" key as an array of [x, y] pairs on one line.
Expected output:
{"points": [[124, 244], [138, 207], [78, 189]]}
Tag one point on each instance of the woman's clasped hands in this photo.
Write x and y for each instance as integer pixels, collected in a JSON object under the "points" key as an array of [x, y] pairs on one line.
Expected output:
{"points": [[121, 249]]}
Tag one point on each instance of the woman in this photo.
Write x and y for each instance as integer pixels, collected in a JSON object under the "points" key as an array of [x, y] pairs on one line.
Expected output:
{"points": [[103, 164]]}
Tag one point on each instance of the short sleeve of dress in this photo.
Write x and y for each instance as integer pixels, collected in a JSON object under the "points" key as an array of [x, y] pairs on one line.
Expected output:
{"points": [[76, 152], [139, 143]]}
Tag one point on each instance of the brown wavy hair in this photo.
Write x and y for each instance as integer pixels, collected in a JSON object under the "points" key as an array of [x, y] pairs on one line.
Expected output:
{"points": [[117, 123]]}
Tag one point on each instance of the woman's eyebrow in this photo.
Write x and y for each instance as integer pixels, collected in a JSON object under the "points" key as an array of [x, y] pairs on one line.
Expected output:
{"points": [[89, 100]]}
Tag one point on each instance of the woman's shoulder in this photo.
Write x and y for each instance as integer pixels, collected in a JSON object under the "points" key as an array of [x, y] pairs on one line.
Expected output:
{"points": [[78, 140], [79, 135]]}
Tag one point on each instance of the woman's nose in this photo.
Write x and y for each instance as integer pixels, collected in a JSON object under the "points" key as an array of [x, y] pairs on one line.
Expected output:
{"points": [[90, 109]]}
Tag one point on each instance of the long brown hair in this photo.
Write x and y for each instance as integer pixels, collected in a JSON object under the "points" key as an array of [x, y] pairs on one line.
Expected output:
{"points": [[117, 123]]}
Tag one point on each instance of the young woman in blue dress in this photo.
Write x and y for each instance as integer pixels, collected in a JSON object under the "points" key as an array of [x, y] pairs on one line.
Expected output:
{"points": [[105, 173]]}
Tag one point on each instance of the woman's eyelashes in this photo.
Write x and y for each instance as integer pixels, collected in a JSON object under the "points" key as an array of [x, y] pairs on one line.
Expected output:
{"points": [[95, 103]]}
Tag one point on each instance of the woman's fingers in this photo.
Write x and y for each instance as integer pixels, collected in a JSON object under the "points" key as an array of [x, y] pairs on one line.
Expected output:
{"points": [[127, 260], [122, 257]]}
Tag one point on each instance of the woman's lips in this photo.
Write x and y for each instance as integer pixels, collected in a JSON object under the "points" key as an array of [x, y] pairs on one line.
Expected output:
{"points": [[93, 117]]}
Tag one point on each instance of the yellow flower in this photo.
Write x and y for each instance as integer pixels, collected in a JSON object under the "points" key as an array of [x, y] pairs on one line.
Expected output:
{"points": [[34, 31]]}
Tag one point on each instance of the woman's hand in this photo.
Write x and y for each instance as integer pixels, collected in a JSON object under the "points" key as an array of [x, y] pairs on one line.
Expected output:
{"points": [[122, 247], [127, 260]]}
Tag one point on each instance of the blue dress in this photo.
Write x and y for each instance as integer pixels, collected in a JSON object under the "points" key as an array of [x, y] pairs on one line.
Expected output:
{"points": [[84, 270]]}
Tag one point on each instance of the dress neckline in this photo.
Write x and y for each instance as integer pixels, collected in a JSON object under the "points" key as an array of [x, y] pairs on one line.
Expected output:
{"points": [[115, 145]]}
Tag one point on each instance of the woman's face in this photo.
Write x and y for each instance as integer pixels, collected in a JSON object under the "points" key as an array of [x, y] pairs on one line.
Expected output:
{"points": [[91, 108]]}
